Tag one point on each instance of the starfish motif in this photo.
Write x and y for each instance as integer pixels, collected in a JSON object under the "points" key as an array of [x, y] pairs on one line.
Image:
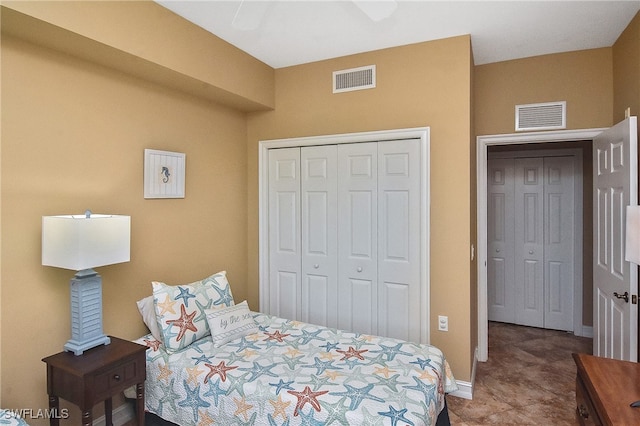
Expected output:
{"points": [[166, 306], [306, 396], [336, 413], [352, 352], [391, 351], [244, 344], [193, 400], [309, 420], [193, 374], [204, 419], [225, 296], [321, 366], [272, 421], [169, 396], [293, 352], [202, 309], [357, 395], [333, 375], [308, 336], [390, 382], [258, 370], [185, 322], [242, 408], [422, 363], [220, 369], [282, 385], [384, 371], [185, 295], [279, 407], [427, 390], [215, 390], [165, 372], [201, 358], [153, 344], [236, 384], [396, 416], [319, 382], [330, 346], [276, 335]]}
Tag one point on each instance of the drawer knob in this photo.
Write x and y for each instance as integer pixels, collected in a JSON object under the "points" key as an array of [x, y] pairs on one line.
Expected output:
{"points": [[116, 377], [584, 413]]}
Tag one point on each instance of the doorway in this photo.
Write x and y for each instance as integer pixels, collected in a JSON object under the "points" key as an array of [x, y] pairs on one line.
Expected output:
{"points": [[529, 141], [534, 230]]}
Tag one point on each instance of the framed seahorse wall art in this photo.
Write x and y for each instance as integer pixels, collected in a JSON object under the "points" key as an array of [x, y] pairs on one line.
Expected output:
{"points": [[164, 174]]}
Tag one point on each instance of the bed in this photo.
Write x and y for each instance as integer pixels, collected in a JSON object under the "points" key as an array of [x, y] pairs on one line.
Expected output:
{"points": [[11, 417], [252, 368]]}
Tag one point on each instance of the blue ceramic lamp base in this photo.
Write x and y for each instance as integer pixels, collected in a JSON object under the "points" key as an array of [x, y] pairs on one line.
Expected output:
{"points": [[86, 313]]}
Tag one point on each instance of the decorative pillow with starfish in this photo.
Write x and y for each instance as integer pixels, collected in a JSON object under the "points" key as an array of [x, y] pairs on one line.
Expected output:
{"points": [[180, 309]]}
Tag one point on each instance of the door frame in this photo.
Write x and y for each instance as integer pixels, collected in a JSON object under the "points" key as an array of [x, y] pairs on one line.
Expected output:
{"points": [[421, 133], [482, 143], [578, 187]]}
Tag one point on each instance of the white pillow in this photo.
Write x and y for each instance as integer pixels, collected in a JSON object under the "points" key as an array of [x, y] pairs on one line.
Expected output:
{"points": [[148, 312], [230, 323]]}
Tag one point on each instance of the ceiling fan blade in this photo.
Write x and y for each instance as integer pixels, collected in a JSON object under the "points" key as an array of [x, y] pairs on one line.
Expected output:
{"points": [[249, 15], [377, 10]]}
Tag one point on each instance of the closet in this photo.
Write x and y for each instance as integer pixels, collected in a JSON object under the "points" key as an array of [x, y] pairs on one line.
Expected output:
{"points": [[533, 230], [344, 229]]}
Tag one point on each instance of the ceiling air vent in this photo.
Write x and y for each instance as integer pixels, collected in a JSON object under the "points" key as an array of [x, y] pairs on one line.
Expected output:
{"points": [[354, 79], [545, 116]]}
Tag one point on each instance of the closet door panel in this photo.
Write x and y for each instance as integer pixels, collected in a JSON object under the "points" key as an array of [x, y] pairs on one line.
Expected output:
{"points": [[319, 235], [559, 242], [529, 241], [399, 239], [358, 238], [500, 235], [284, 233]]}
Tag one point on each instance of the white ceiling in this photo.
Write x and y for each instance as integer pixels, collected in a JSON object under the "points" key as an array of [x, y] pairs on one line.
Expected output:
{"points": [[295, 32]]}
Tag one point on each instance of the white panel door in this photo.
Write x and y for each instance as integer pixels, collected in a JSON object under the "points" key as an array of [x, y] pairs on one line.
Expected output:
{"points": [[399, 239], [500, 240], [559, 206], [529, 243], [284, 233], [319, 235], [615, 187], [358, 237]]}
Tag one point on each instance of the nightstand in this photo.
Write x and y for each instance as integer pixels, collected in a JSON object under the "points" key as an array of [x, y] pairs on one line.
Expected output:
{"points": [[97, 375], [604, 389]]}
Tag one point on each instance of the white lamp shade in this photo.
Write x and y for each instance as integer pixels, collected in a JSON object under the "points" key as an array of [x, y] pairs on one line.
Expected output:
{"points": [[632, 249], [80, 242]]}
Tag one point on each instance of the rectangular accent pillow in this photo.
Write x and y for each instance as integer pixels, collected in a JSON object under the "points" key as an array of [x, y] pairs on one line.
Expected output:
{"points": [[180, 309], [148, 313], [231, 323]]}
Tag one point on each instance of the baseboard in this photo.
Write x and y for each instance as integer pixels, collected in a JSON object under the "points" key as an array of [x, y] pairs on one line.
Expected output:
{"points": [[587, 331], [120, 416], [465, 389]]}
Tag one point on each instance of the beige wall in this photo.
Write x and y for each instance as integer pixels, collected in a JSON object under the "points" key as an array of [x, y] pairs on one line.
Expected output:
{"points": [[626, 71], [73, 135], [584, 79], [426, 84]]}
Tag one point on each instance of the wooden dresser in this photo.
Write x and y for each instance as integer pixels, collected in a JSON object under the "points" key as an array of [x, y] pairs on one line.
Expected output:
{"points": [[604, 390]]}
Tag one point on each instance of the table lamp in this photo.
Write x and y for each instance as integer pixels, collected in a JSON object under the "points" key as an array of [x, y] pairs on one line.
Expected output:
{"points": [[80, 243], [632, 241]]}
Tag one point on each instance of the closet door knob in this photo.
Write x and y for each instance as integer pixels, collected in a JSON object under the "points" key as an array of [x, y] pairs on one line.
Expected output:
{"points": [[316, 266], [497, 250], [530, 251], [359, 269]]}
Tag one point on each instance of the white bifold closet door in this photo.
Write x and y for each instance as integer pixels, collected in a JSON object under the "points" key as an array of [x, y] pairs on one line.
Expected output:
{"points": [[344, 240], [530, 241]]}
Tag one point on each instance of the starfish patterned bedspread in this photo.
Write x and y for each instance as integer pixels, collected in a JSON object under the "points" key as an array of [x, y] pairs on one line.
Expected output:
{"points": [[293, 373]]}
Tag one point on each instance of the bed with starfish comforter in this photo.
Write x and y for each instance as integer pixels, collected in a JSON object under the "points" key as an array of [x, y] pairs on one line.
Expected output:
{"points": [[289, 372]]}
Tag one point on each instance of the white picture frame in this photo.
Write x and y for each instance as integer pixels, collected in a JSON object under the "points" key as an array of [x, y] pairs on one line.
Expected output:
{"points": [[164, 173]]}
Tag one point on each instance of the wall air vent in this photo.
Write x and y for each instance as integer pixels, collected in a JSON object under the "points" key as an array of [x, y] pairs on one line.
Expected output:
{"points": [[544, 116], [354, 79]]}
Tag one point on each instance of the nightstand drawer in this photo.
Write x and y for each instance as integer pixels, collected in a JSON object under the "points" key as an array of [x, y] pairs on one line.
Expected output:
{"points": [[118, 378]]}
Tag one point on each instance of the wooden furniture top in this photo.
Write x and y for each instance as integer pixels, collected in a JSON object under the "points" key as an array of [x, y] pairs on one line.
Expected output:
{"points": [[612, 385]]}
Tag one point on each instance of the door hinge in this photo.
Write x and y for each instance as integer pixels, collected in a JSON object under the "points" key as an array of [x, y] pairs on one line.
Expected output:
{"points": [[634, 299]]}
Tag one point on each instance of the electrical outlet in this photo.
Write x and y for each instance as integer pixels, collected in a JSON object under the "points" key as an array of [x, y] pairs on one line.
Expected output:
{"points": [[443, 323]]}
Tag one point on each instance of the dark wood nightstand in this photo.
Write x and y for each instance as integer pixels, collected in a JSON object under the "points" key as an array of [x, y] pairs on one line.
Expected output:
{"points": [[604, 390], [95, 376]]}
